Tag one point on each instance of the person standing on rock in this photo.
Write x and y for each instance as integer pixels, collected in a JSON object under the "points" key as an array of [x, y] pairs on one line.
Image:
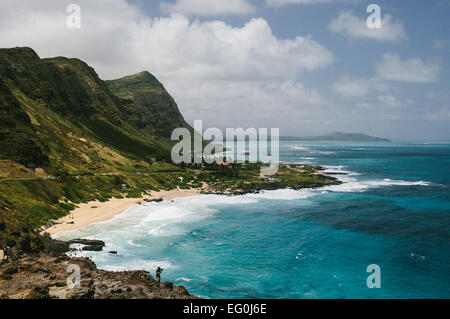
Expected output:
{"points": [[10, 255], [4, 249], [158, 275]]}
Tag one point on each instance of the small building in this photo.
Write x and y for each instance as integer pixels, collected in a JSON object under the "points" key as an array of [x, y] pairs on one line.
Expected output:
{"points": [[222, 164]]}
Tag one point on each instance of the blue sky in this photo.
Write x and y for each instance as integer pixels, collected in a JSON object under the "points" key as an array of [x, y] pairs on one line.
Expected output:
{"points": [[305, 66]]}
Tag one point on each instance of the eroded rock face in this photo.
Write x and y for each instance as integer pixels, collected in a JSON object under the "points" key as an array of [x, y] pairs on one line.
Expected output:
{"points": [[42, 276]]}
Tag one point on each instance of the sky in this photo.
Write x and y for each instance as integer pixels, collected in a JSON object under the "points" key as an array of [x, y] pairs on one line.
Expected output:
{"points": [[307, 67]]}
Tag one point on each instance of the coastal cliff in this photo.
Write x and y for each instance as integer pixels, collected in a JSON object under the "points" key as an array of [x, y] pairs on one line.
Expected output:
{"points": [[44, 275], [69, 139]]}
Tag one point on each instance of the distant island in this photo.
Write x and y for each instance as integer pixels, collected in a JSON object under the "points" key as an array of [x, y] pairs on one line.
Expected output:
{"points": [[338, 137]]}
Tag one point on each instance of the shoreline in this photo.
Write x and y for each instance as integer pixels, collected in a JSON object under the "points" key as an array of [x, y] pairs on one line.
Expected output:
{"points": [[95, 212]]}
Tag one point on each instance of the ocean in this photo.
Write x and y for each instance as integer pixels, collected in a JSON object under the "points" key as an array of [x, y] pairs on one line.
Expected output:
{"points": [[392, 210]]}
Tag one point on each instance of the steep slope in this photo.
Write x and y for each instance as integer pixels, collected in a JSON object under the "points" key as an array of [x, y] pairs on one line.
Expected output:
{"points": [[59, 114], [18, 140], [147, 105]]}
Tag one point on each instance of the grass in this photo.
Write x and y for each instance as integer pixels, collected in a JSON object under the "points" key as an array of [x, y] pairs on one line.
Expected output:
{"points": [[30, 204]]}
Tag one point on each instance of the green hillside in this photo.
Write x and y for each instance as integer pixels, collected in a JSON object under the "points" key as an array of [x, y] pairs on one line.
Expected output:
{"points": [[147, 105], [60, 122], [67, 137], [60, 115]]}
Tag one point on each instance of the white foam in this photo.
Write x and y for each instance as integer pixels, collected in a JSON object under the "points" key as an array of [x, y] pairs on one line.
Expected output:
{"points": [[298, 148], [283, 194], [139, 264], [308, 150], [157, 214], [352, 185], [132, 243], [76, 250]]}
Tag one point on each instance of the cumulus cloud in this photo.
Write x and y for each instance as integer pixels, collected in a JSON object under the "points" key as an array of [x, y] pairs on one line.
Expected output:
{"points": [[214, 70], [392, 68], [353, 27], [280, 3], [208, 7], [390, 101], [349, 86]]}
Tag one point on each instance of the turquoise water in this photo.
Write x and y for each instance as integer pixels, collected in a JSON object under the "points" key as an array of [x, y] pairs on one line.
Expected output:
{"points": [[392, 210]]}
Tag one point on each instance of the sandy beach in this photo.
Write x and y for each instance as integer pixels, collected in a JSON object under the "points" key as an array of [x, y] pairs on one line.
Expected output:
{"points": [[95, 211]]}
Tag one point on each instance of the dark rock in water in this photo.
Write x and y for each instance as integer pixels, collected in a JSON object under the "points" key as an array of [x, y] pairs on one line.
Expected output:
{"points": [[157, 200], [112, 252], [90, 244], [93, 248], [86, 241]]}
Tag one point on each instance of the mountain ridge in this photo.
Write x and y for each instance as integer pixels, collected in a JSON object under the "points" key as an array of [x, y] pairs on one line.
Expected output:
{"points": [[65, 139], [147, 104], [43, 98]]}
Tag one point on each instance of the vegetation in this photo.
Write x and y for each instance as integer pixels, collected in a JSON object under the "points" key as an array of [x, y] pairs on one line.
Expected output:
{"points": [[67, 137], [147, 105]]}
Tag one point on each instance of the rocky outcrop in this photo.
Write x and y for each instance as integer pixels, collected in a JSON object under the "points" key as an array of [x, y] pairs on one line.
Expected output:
{"points": [[155, 200], [43, 276], [54, 247], [89, 244]]}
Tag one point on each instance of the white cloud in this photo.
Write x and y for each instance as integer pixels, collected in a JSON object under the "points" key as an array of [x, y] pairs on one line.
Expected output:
{"points": [[354, 27], [349, 86], [280, 3], [216, 72], [390, 101], [208, 7], [413, 70]]}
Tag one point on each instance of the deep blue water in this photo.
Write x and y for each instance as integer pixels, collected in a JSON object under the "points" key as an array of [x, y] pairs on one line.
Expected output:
{"points": [[393, 210]]}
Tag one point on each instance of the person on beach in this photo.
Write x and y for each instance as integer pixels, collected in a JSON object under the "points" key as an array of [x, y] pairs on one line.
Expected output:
{"points": [[158, 275]]}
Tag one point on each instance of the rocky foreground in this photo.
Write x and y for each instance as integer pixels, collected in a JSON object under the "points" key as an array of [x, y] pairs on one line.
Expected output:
{"points": [[44, 275]]}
